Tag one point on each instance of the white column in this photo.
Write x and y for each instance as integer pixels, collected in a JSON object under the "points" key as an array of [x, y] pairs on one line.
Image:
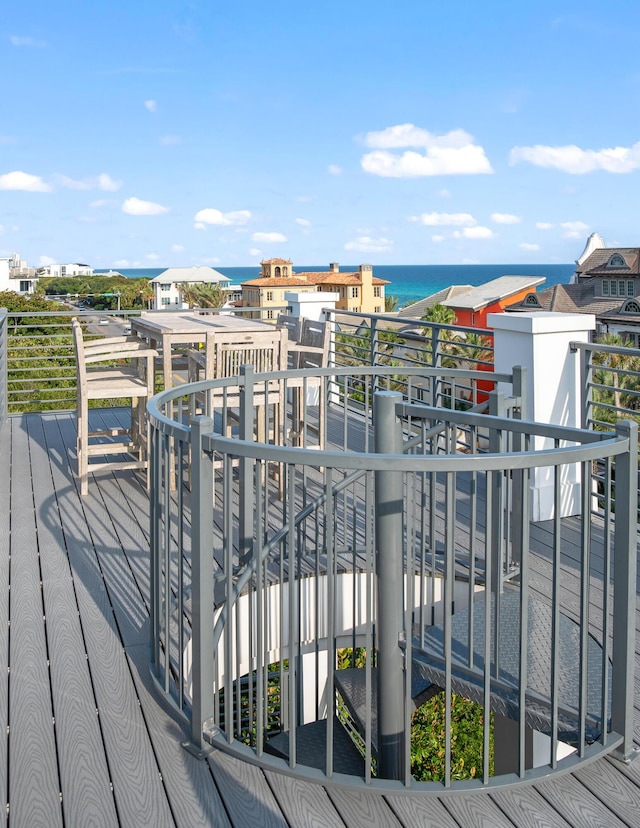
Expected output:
{"points": [[310, 304], [540, 342]]}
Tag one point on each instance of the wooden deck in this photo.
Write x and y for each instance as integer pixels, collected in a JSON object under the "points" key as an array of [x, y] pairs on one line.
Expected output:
{"points": [[86, 739]]}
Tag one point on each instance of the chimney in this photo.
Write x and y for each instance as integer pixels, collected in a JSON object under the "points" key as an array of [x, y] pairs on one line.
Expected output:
{"points": [[334, 267]]}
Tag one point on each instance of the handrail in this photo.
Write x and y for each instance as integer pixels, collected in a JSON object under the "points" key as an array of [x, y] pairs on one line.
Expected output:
{"points": [[505, 471]]}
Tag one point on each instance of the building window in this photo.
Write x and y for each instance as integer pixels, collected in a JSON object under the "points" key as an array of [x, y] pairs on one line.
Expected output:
{"points": [[631, 288], [605, 288], [165, 300], [269, 314], [269, 296], [24, 286], [354, 292], [285, 271], [614, 288], [378, 309], [616, 261], [377, 293], [277, 271], [621, 288], [165, 287]]}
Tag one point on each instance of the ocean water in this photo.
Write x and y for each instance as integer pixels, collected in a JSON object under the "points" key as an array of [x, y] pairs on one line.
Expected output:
{"points": [[409, 282]]}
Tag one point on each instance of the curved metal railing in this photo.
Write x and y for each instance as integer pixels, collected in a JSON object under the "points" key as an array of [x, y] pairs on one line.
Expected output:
{"points": [[329, 579]]}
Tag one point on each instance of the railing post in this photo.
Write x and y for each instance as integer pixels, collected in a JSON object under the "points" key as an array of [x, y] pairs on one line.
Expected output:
{"points": [[202, 702], [496, 409], [4, 359], [389, 571], [624, 586], [245, 478]]}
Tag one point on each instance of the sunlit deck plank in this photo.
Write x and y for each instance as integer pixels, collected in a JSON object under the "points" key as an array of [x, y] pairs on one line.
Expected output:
{"points": [[113, 518], [87, 796], [5, 528], [139, 793], [34, 785]]}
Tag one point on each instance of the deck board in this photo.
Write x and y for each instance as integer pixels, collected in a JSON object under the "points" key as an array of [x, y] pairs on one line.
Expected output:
{"points": [[91, 555], [87, 797], [5, 528], [34, 785], [139, 793]]}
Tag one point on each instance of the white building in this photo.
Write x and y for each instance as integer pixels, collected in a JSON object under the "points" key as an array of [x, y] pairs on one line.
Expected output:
{"points": [[72, 269], [167, 285], [16, 276]]}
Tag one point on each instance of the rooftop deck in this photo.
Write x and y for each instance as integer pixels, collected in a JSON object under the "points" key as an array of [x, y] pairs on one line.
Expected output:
{"points": [[89, 741]]}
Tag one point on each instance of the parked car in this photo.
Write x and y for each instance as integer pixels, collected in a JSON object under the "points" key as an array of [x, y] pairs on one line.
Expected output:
{"points": [[103, 321]]}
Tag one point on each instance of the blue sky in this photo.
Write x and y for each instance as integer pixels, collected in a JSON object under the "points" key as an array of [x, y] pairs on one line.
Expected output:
{"points": [[175, 133]]}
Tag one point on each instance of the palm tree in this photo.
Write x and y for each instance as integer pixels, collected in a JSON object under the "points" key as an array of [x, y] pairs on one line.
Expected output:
{"points": [[202, 295], [390, 303]]}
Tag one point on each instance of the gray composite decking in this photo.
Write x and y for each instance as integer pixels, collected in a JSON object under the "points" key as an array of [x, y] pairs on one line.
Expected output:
{"points": [[87, 741]]}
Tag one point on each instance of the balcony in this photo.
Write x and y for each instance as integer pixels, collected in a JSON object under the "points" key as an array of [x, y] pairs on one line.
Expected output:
{"points": [[93, 733]]}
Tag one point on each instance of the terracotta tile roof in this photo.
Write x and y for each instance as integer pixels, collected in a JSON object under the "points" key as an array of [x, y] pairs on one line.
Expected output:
{"points": [[355, 278], [277, 281], [276, 261]]}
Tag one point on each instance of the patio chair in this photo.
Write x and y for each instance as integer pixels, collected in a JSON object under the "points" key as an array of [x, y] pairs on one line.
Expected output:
{"points": [[311, 351], [224, 354], [127, 376]]}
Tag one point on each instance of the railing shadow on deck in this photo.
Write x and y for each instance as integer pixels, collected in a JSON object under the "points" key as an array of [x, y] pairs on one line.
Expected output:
{"points": [[291, 564]]}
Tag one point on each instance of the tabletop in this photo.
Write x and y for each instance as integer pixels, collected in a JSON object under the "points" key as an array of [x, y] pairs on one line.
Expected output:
{"points": [[190, 327]]}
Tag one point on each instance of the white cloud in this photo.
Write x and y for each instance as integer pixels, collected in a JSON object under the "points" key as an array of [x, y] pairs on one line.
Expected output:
{"points": [[445, 219], [121, 263], [505, 218], [100, 202], [153, 257], [101, 182], [334, 169], [527, 246], [105, 182], [73, 184], [151, 105], [366, 244], [27, 41], [577, 161], [303, 222], [170, 140], [474, 233], [200, 226], [453, 153], [444, 193], [254, 251], [269, 238], [43, 261], [18, 180], [212, 216], [544, 225], [177, 248], [574, 229], [437, 238], [137, 207]]}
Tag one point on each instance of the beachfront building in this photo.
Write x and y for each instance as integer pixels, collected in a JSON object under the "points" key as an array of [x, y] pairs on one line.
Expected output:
{"points": [[606, 283], [472, 305], [168, 286], [358, 291], [16, 276], [71, 269]]}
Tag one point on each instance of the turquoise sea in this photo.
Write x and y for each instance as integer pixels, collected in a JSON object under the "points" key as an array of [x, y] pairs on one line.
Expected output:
{"points": [[410, 282]]}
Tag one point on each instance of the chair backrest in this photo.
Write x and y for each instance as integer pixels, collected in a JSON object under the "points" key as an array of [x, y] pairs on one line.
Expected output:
{"points": [[291, 324], [227, 351], [78, 346]]}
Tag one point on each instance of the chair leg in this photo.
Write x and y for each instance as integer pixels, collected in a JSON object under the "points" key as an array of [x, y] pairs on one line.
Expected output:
{"points": [[82, 448]]}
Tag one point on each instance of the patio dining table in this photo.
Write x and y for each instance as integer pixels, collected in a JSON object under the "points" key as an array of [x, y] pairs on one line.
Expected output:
{"points": [[166, 329]]}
